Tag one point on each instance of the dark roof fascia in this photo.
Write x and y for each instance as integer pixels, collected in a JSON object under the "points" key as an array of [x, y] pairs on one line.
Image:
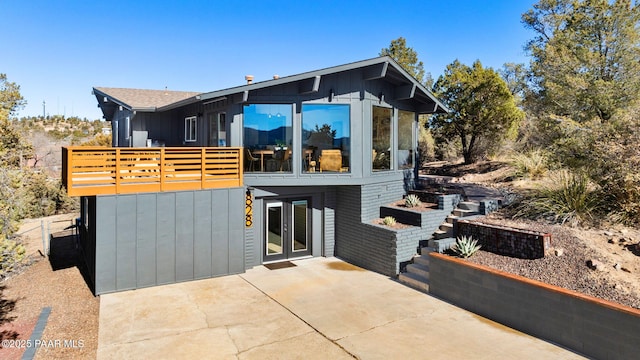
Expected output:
{"points": [[331, 70], [111, 98], [290, 79], [429, 94], [187, 101]]}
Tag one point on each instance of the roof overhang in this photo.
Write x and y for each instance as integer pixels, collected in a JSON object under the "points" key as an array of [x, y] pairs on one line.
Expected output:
{"points": [[384, 67]]}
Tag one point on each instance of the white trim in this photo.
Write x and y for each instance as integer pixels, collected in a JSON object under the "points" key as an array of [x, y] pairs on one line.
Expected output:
{"points": [[191, 129]]}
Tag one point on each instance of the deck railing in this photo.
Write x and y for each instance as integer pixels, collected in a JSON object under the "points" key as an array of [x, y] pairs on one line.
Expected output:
{"points": [[100, 170]]}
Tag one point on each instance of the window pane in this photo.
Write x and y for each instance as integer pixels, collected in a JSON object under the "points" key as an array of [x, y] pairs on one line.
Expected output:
{"points": [[190, 129], [381, 138], [326, 139], [406, 120], [268, 137]]}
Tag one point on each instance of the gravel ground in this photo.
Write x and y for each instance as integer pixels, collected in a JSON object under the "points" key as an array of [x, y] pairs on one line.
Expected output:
{"points": [[58, 283], [570, 270]]}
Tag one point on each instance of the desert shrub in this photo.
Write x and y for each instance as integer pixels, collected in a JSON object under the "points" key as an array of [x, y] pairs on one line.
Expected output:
{"points": [[389, 221], [412, 200], [98, 140], [531, 164], [11, 253], [566, 197], [43, 196]]}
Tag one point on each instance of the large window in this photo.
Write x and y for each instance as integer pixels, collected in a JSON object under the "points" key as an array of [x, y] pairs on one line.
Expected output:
{"points": [[268, 137], [381, 125], [326, 139], [190, 129], [406, 121]]}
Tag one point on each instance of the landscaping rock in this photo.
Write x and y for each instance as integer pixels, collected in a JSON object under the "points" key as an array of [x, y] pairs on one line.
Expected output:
{"points": [[608, 233], [617, 266], [559, 252], [595, 265], [610, 241]]}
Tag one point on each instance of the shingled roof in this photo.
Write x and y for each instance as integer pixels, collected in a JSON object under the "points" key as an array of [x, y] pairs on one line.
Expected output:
{"points": [[143, 99]]}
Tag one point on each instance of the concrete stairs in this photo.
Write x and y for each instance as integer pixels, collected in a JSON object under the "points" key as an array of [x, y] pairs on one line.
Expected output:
{"points": [[444, 237], [417, 275]]}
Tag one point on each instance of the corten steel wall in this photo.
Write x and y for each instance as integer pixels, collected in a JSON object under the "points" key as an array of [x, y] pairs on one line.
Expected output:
{"points": [[151, 239], [590, 326], [523, 244]]}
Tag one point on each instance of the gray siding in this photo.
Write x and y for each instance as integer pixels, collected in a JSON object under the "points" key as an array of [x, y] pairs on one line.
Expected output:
{"points": [[160, 238]]}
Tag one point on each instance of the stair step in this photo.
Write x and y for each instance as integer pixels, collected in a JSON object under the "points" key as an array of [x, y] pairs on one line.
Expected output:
{"points": [[446, 226], [469, 205], [440, 245], [418, 269], [415, 281], [440, 234], [452, 218], [422, 259], [426, 250], [464, 213]]}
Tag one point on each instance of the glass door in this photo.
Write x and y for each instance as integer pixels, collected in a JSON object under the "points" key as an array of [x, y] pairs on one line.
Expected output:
{"points": [[287, 230]]}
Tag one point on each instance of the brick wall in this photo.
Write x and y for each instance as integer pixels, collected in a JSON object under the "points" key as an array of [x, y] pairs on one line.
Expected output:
{"points": [[502, 240], [593, 327]]}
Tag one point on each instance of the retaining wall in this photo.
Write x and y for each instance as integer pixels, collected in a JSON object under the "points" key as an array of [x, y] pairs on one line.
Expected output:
{"points": [[502, 240], [590, 326]]}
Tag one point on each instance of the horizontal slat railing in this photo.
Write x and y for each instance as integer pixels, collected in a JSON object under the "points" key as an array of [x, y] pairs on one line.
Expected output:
{"points": [[90, 171]]}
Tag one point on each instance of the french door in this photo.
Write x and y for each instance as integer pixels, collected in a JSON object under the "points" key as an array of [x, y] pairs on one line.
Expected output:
{"points": [[287, 229]]}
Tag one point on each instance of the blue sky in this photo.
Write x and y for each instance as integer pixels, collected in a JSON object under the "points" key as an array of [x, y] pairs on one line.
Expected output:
{"points": [[58, 50]]}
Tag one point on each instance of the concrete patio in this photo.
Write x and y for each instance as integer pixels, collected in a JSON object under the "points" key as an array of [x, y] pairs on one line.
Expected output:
{"points": [[323, 308]]}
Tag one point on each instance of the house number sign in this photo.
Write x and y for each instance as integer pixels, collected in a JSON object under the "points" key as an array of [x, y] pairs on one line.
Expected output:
{"points": [[248, 211]]}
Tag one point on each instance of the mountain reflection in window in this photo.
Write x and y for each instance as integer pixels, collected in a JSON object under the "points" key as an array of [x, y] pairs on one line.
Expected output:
{"points": [[326, 140], [268, 137]]}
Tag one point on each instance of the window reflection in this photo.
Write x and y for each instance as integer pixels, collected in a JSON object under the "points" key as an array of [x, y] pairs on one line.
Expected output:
{"points": [[268, 137], [381, 138], [326, 138], [406, 120]]}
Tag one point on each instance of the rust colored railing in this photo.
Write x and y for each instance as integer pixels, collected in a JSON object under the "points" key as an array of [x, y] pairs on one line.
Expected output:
{"points": [[100, 170]]}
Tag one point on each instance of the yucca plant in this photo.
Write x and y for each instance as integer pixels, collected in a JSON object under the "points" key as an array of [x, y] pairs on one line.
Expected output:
{"points": [[465, 246], [389, 221], [412, 200], [568, 197], [532, 164]]}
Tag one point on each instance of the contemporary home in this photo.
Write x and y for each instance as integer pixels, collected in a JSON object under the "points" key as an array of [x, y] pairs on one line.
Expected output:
{"points": [[199, 185]]}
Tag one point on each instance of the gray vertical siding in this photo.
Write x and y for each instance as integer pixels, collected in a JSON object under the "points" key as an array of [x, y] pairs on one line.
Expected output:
{"points": [[151, 239]]}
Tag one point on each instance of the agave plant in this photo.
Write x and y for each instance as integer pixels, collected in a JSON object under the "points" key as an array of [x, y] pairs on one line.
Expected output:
{"points": [[389, 221], [465, 246], [412, 200]]}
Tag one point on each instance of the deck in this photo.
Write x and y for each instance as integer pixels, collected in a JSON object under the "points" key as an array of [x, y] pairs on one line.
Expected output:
{"points": [[88, 171]]}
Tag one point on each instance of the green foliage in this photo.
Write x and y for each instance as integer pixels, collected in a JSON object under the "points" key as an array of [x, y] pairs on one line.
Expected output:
{"points": [[532, 164], [406, 57], [586, 56], [569, 197], [99, 140], [43, 196], [11, 254], [483, 110], [465, 246], [389, 221], [412, 200], [426, 143]]}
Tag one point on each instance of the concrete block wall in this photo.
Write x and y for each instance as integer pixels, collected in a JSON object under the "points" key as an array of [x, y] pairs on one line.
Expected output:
{"points": [[375, 247], [361, 243], [593, 327]]}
